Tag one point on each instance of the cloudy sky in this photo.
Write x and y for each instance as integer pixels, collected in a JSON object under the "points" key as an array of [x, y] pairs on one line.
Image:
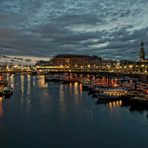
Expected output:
{"points": [[43, 28]]}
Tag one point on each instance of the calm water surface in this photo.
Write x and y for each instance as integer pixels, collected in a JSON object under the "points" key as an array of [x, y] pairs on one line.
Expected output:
{"points": [[55, 115]]}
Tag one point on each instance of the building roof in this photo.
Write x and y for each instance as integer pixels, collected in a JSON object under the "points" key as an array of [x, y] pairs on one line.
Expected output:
{"points": [[72, 56]]}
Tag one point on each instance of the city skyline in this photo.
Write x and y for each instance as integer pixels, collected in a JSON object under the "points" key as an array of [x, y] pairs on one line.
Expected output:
{"points": [[109, 29]]}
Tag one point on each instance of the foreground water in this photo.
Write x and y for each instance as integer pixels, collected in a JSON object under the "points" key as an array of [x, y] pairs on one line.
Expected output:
{"points": [[58, 115]]}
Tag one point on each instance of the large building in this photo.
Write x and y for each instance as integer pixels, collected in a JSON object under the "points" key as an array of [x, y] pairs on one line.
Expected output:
{"points": [[73, 60]]}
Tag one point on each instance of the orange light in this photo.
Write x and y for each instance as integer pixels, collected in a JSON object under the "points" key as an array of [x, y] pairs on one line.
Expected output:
{"points": [[1, 107]]}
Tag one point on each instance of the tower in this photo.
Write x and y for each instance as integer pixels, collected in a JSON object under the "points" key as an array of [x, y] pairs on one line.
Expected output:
{"points": [[142, 52]]}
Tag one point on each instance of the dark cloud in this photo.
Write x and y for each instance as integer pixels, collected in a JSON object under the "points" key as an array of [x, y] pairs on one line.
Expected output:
{"points": [[111, 29]]}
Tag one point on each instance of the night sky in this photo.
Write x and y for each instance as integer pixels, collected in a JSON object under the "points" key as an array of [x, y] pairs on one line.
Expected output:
{"points": [[43, 28]]}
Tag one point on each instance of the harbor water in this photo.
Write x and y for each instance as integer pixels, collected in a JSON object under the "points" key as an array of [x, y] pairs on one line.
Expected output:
{"points": [[56, 115]]}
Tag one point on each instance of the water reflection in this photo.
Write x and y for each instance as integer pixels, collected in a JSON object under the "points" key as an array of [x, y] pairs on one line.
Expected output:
{"points": [[115, 104], [41, 82], [62, 97], [133, 107], [74, 90], [65, 117], [80, 89], [10, 80], [77, 95], [29, 84], [76, 87], [34, 82], [22, 84], [1, 107], [61, 92], [71, 86]]}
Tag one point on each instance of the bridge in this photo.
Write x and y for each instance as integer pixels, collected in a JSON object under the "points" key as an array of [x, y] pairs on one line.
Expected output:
{"points": [[60, 69], [88, 70]]}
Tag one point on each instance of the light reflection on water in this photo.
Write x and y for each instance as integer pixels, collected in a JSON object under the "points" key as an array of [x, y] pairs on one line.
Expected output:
{"points": [[71, 87], [62, 98], [80, 89], [41, 83], [60, 115], [1, 107], [22, 85], [115, 104], [29, 85], [76, 92], [76, 87]]}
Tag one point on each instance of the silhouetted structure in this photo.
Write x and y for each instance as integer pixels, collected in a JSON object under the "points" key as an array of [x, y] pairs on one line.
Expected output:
{"points": [[73, 60], [142, 53]]}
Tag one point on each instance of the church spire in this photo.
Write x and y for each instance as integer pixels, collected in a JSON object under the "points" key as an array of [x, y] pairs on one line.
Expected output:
{"points": [[142, 52], [142, 44]]}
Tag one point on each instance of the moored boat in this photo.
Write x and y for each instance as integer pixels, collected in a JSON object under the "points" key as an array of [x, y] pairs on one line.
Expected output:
{"points": [[7, 91], [54, 78], [3, 83], [112, 94]]}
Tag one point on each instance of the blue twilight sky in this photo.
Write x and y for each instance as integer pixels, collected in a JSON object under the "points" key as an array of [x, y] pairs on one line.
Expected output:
{"points": [[107, 28]]}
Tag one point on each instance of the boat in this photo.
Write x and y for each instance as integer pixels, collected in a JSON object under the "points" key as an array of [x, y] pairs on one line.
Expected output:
{"points": [[7, 91], [47, 78], [3, 83], [112, 94], [54, 78]]}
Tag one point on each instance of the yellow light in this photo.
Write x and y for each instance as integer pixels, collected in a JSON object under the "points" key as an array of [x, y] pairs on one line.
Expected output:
{"points": [[130, 66], [88, 66], [142, 65]]}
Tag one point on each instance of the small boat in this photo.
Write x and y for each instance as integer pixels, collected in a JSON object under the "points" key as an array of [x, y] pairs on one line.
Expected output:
{"points": [[7, 91]]}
